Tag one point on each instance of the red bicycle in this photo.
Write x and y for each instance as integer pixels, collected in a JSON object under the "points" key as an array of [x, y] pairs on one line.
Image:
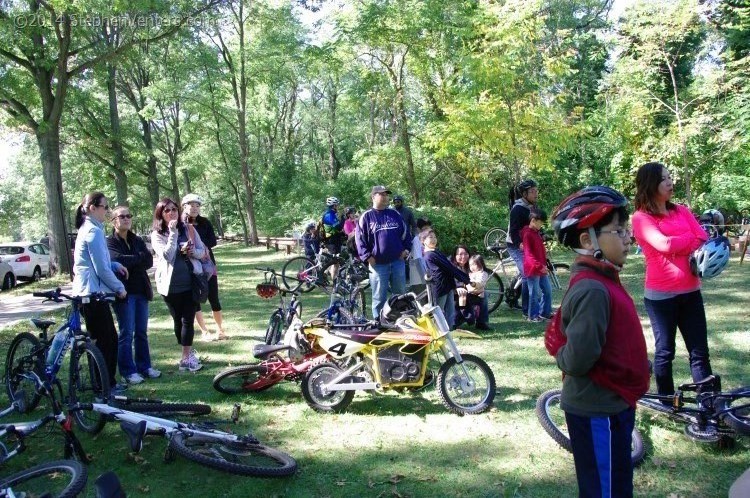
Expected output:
{"points": [[274, 367]]}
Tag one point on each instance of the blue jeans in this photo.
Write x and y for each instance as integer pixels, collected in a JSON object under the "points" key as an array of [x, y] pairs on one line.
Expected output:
{"points": [[686, 313], [447, 303], [132, 320], [601, 452], [385, 277], [540, 290], [517, 256]]}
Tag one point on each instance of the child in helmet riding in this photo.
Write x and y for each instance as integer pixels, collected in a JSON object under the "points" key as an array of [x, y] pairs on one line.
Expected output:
{"points": [[597, 341]]}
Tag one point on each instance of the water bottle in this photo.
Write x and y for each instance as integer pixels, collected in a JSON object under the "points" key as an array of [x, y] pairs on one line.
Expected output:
{"points": [[57, 343]]}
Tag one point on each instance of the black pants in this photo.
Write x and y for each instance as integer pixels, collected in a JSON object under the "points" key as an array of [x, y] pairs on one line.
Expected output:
{"points": [[101, 328], [182, 309]]}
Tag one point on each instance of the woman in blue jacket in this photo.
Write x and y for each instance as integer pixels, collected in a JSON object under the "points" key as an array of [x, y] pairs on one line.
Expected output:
{"points": [[94, 272]]}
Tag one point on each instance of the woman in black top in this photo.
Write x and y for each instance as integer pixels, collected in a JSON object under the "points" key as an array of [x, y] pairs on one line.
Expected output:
{"points": [[129, 250], [191, 206]]}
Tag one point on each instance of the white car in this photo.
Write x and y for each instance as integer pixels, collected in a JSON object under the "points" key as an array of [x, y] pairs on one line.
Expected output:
{"points": [[29, 260], [7, 277]]}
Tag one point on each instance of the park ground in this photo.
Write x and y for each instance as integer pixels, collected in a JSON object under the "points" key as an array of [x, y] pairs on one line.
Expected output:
{"points": [[408, 445]]}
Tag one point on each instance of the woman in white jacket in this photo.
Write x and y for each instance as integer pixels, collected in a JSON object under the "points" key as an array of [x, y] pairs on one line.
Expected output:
{"points": [[178, 250]]}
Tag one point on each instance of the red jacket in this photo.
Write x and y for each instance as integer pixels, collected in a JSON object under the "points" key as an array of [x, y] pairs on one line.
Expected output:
{"points": [[534, 253], [623, 364]]}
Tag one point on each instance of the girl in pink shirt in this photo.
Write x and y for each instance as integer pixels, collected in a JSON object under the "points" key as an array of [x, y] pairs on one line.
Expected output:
{"points": [[668, 234]]}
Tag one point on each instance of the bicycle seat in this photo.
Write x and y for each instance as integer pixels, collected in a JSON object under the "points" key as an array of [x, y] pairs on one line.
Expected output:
{"points": [[261, 351], [135, 433], [42, 324], [712, 383]]}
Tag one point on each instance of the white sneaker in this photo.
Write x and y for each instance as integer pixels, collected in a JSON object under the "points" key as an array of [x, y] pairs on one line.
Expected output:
{"points": [[190, 365], [134, 378], [152, 373]]}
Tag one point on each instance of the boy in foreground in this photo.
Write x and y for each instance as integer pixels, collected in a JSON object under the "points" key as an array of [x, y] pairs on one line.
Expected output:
{"points": [[597, 341]]}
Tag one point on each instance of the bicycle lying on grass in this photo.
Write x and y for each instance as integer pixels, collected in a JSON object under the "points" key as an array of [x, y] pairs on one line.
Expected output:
{"points": [[31, 360], [201, 442], [710, 416], [280, 362]]}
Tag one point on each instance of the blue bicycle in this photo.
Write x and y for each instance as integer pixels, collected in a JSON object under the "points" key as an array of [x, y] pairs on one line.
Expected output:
{"points": [[33, 361]]}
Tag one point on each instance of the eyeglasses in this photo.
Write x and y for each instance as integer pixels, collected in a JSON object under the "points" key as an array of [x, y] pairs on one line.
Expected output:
{"points": [[623, 233], [124, 216], [170, 210]]}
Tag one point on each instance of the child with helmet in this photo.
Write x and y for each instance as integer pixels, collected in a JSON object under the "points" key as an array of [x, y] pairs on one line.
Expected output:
{"points": [[597, 341]]}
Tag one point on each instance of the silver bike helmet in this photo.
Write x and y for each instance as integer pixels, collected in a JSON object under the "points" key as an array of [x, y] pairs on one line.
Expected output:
{"points": [[712, 257], [332, 201]]}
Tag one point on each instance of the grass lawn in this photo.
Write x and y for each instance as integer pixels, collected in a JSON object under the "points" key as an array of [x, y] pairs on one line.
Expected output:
{"points": [[398, 445]]}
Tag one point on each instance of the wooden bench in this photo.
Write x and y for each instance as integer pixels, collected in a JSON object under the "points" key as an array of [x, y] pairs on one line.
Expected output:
{"points": [[288, 243]]}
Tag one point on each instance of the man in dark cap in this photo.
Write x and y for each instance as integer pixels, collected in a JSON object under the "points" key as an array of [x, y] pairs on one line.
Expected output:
{"points": [[383, 242]]}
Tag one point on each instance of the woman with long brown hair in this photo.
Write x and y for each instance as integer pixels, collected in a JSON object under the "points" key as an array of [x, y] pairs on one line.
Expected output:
{"points": [[178, 249], [94, 272], [668, 234]]}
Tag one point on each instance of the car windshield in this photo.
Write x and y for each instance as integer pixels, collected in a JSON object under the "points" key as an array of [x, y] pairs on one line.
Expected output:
{"points": [[10, 250]]}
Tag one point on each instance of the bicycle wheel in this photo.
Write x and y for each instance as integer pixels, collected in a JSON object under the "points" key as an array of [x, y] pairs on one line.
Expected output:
{"points": [[737, 418], [561, 272], [61, 478], [462, 395], [153, 407], [339, 316], [245, 379], [494, 290], [89, 383], [360, 306], [19, 363], [496, 237], [300, 273], [552, 419], [275, 328], [237, 457]]}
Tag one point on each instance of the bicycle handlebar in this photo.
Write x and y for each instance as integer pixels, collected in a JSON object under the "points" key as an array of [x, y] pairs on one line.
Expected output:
{"points": [[57, 296]]}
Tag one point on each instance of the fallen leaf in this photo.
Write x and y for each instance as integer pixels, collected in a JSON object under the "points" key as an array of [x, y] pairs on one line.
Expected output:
{"points": [[144, 489], [396, 478]]}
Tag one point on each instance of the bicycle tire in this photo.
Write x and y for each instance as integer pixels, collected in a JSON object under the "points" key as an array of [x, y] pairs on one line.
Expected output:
{"points": [[496, 236], [341, 316], [292, 273], [251, 379], [32, 482], [225, 456], [324, 402], [451, 393], [494, 290], [739, 422], [275, 328], [159, 407], [89, 383], [360, 306], [18, 358], [560, 269], [552, 420]]}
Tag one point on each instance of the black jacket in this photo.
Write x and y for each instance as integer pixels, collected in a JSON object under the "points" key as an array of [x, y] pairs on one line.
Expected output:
{"points": [[206, 232], [135, 256]]}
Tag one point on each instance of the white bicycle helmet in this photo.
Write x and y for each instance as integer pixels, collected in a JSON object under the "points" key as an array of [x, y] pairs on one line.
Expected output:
{"points": [[712, 257], [332, 201], [192, 198]]}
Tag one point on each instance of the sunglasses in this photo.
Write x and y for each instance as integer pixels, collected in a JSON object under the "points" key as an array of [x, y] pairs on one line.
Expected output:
{"points": [[124, 216], [170, 210], [105, 206]]}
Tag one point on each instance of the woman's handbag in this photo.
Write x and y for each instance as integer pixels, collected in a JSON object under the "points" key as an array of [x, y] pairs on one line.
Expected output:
{"points": [[200, 287]]}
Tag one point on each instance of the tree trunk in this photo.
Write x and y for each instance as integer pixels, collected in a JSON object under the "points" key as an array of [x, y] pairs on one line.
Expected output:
{"points": [[411, 178], [186, 181], [49, 150]]}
